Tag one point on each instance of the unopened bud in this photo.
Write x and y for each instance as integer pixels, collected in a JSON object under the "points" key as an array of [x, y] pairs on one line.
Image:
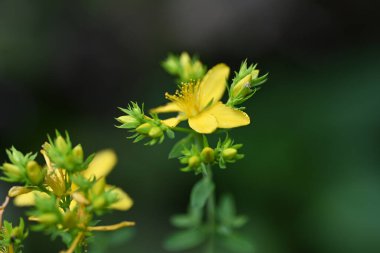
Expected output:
{"points": [[229, 153], [34, 173], [69, 220], [144, 128], [12, 170], [78, 152], [18, 190], [129, 121], [48, 218], [61, 144], [207, 155], [155, 132], [16, 232], [243, 86], [194, 161]]}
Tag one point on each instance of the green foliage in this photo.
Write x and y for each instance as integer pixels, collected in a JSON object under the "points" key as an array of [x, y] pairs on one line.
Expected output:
{"points": [[13, 237], [184, 240], [201, 192], [142, 126]]}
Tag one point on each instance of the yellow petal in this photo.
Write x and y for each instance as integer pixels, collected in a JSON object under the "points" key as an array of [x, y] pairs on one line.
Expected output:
{"points": [[213, 85], [171, 122], [204, 123], [124, 201], [28, 199], [101, 165], [169, 107], [228, 117]]}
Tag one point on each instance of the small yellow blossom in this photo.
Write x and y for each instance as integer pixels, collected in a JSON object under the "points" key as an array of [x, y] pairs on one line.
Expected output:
{"points": [[199, 103]]}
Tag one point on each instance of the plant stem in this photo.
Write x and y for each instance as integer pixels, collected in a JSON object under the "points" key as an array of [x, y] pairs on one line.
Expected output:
{"points": [[182, 129], [211, 213]]}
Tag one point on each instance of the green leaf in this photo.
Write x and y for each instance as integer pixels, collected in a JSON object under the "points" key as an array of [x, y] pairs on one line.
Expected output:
{"points": [[185, 240], [181, 145], [237, 244], [200, 193], [183, 221], [226, 210]]}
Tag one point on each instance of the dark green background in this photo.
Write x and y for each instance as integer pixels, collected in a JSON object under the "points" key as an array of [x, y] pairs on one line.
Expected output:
{"points": [[310, 181]]}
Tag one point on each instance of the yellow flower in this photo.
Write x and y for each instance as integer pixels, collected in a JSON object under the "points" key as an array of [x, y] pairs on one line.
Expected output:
{"points": [[100, 167], [200, 104]]}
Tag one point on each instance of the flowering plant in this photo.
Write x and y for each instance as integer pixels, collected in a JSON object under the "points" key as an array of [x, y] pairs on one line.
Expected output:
{"points": [[198, 100], [66, 195]]}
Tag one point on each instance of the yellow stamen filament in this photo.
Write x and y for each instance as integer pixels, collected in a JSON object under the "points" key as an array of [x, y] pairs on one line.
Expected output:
{"points": [[186, 98], [112, 227]]}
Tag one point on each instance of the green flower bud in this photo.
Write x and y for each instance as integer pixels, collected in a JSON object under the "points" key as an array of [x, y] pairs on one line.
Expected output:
{"points": [[229, 153], [34, 173], [194, 161], [48, 218], [129, 121], [208, 155], [155, 132], [144, 128], [69, 220], [16, 232], [78, 152], [12, 170], [61, 144]]}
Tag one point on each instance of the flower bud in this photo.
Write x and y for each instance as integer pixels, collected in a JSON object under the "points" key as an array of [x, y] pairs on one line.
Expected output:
{"points": [[16, 232], [242, 87], [12, 170], [144, 128], [129, 121], [48, 218], [78, 152], [229, 153], [18, 190], [155, 132], [194, 161], [69, 220], [34, 173], [61, 144], [207, 155]]}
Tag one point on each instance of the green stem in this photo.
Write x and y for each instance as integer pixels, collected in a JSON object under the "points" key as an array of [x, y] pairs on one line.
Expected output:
{"points": [[182, 129], [211, 219]]}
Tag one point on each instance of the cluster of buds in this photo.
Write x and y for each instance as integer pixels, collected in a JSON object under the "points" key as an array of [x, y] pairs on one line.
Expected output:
{"points": [[184, 67], [22, 168], [11, 238], [196, 160], [63, 155], [143, 126], [244, 85]]}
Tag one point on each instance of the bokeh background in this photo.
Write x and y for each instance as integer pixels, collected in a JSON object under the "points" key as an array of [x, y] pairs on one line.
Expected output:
{"points": [[310, 181]]}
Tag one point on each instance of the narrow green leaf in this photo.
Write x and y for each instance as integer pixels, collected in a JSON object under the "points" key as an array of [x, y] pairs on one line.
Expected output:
{"points": [[183, 221], [180, 146], [237, 244], [200, 193], [185, 240]]}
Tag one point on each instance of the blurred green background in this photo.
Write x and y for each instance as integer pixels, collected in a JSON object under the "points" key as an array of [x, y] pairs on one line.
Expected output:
{"points": [[310, 181]]}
